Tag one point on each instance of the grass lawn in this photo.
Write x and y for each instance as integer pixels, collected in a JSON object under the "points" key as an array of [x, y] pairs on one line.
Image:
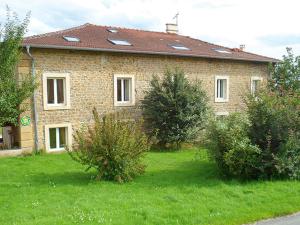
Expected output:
{"points": [[177, 188]]}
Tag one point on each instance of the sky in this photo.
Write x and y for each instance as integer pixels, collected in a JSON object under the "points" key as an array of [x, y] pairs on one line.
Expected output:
{"points": [[266, 27]]}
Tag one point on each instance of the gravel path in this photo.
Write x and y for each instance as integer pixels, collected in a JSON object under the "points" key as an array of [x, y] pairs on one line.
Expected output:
{"points": [[293, 219]]}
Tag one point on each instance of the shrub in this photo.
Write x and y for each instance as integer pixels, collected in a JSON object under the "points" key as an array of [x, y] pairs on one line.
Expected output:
{"points": [[231, 148], [265, 143], [174, 110], [288, 158], [113, 146], [275, 123]]}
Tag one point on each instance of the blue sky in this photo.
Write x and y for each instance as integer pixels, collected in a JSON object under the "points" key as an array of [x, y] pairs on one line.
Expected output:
{"points": [[265, 26]]}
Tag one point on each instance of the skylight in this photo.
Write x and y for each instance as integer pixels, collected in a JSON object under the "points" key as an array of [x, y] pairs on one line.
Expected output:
{"points": [[179, 47], [112, 30], [71, 39], [222, 50], [119, 42]]}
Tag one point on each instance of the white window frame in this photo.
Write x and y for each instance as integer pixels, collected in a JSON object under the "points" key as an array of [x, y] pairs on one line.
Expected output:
{"points": [[131, 101], [226, 99], [52, 75], [68, 126], [254, 78]]}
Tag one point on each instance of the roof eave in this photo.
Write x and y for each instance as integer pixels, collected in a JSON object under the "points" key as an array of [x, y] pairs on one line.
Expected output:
{"points": [[143, 52]]}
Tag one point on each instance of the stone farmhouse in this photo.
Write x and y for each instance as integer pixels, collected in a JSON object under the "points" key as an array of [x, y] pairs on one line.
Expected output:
{"points": [[110, 68]]}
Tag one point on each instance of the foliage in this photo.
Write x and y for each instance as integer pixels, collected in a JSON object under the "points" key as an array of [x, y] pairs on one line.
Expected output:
{"points": [[230, 146], [288, 158], [262, 144], [113, 146], [285, 75], [275, 122], [175, 110], [14, 90]]}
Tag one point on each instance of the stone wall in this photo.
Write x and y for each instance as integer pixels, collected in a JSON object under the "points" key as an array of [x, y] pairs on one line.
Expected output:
{"points": [[91, 80]]}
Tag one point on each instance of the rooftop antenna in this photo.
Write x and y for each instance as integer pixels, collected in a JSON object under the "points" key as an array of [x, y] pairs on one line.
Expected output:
{"points": [[176, 18]]}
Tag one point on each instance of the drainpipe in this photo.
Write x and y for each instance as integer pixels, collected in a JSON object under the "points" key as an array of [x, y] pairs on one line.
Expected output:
{"points": [[35, 115]]}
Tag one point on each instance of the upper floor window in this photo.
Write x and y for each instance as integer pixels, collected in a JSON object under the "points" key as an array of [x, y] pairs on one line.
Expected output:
{"points": [[124, 90], [255, 84], [221, 89], [56, 91]]}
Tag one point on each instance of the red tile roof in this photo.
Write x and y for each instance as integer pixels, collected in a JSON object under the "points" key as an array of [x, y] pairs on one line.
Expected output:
{"points": [[96, 38]]}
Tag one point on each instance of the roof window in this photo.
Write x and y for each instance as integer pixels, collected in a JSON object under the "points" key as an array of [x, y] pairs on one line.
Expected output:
{"points": [[179, 47], [222, 50], [119, 42], [112, 30], [71, 39]]}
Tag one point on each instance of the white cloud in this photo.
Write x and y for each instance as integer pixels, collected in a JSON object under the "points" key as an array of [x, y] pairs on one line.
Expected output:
{"points": [[225, 22]]}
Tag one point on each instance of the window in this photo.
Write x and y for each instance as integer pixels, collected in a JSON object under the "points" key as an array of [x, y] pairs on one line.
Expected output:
{"points": [[124, 90], [222, 50], [58, 137], [221, 89], [255, 84], [179, 47], [119, 42], [56, 91], [71, 39], [112, 30]]}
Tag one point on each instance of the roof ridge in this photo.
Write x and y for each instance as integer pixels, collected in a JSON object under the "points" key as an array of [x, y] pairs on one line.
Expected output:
{"points": [[135, 29], [57, 32]]}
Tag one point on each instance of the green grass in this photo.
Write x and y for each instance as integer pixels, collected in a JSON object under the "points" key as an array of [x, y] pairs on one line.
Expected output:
{"points": [[177, 188]]}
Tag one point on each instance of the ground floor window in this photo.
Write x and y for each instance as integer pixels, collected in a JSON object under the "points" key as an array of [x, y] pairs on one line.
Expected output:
{"points": [[58, 137]]}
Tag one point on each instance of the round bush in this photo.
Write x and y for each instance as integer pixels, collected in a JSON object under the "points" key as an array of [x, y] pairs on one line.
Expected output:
{"points": [[113, 146]]}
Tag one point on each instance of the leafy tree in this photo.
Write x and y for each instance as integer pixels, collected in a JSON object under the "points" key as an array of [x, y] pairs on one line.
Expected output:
{"points": [[285, 75], [14, 90], [175, 109]]}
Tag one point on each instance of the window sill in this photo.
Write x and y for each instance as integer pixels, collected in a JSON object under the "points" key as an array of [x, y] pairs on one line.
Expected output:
{"points": [[56, 150], [64, 107], [218, 100], [127, 104]]}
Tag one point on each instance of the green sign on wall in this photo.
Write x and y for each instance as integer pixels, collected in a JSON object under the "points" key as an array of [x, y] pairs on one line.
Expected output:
{"points": [[25, 121]]}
